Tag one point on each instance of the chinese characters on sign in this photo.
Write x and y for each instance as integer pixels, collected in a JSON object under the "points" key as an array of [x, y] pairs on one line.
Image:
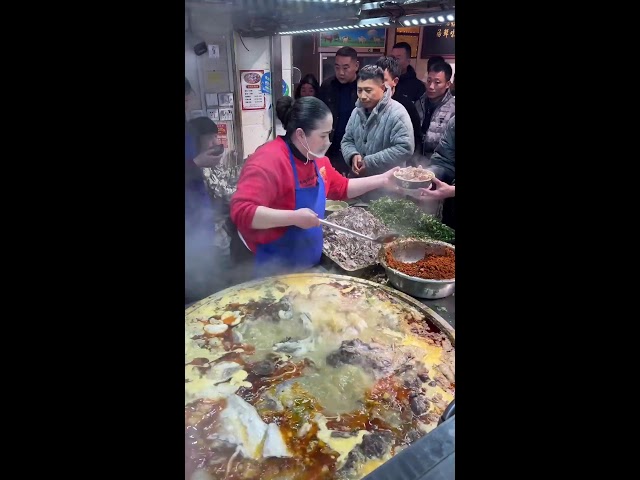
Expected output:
{"points": [[438, 40], [448, 32]]}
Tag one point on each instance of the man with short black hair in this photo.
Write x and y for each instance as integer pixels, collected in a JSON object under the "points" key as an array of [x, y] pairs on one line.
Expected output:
{"points": [[409, 86], [379, 134], [436, 107], [433, 60], [339, 93]]}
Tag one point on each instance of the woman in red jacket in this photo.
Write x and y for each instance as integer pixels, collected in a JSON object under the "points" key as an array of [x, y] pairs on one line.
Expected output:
{"points": [[283, 187]]}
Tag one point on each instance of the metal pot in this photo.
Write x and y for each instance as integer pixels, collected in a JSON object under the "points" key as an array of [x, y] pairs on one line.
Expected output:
{"points": [[412, 250]]}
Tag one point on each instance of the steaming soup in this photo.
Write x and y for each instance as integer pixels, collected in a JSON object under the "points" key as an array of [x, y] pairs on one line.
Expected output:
{"points": [[307, 377]]}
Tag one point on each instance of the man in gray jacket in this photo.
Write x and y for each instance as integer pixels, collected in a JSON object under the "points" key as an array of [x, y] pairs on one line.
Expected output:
{"points": [[443, 164], [436, 107], [379, 134]]}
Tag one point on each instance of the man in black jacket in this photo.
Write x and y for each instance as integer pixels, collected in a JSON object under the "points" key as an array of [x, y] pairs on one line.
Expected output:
{"points": [[340, 94], [409, 86], [392, 74]]}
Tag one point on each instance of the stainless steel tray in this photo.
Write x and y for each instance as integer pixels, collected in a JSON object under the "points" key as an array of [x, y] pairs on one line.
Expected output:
{"points": [[333, 264], [356, 272]]}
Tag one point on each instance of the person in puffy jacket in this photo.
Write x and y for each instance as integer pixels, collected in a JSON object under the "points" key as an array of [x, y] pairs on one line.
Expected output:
{"points": [[379, 134], [443, 164], [436, 107]]}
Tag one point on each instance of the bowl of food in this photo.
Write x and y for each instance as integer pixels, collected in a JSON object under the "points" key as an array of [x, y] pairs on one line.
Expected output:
{"points": [[332, 206], [414, 177], [252, 78], [421, 268]]}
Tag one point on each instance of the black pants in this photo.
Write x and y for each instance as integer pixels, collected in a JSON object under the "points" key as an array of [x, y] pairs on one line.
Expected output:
{"points": [[448, 213], [242, 260]]}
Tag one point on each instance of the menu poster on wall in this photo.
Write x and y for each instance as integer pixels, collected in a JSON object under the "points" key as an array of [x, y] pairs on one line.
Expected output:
{"points": [[252, 96]]}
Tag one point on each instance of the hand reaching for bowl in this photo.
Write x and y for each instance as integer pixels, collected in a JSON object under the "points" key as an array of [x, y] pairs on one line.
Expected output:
{"points": [[442, 190]]}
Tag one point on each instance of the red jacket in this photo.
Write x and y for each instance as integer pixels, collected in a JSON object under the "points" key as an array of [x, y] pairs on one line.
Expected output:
{"points": [[267, 180]]}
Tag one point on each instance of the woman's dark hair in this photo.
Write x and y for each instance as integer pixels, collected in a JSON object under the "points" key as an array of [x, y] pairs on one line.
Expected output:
{"points": [[304, 113], [308, 79], [203, 126], [369, 72]]}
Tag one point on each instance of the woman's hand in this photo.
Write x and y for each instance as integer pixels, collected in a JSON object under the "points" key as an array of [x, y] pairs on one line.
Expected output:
{"points": [[388, 179], [305, 218]]}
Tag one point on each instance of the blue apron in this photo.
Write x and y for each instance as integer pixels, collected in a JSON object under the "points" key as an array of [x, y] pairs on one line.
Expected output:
{"points": [[298, 249]]}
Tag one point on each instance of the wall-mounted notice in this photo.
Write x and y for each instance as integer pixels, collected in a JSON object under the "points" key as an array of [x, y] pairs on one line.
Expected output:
{"points": [[196, 113], [225, 99], [216, 82], [212, 113], [226, 114], [252, 96], [212, 99], [214, 51]]}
